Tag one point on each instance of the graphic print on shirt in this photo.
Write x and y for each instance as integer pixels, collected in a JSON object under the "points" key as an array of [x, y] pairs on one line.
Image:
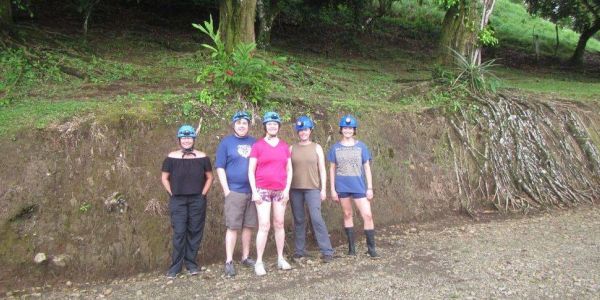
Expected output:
{"points": [[244, 150], [349, 161]]}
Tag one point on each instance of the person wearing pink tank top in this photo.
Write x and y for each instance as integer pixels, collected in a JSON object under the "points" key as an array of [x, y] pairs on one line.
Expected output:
{"points": [[270, 177]]}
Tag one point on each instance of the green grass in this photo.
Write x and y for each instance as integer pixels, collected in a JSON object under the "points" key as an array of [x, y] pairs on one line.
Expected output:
{"points": [[344, 84], [134, 74], [38, 114], [514, 26], [565, 85]]}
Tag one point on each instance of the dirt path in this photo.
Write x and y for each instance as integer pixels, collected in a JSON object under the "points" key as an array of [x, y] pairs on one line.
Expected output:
{"points": [[554, 255]]}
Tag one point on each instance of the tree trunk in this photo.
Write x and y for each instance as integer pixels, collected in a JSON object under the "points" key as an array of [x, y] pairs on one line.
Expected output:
{"points": [[86, 23], [458, 32], [557, 40], [460, 29], [577, 57], [267, 11], [5, 12], [236, 22]]}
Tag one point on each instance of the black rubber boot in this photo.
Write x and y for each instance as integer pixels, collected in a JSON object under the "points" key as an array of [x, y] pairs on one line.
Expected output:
{"points": [[370, 234], [350, 235]]}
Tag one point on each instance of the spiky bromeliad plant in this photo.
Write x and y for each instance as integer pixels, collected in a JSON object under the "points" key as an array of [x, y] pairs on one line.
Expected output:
{"points": [[474, 76]]}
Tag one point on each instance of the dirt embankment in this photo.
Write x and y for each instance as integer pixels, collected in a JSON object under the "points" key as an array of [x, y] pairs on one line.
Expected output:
{"points": [[56, 184], [546, 256]]}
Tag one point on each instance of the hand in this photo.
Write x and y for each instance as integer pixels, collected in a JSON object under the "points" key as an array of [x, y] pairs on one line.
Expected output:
{"points": [[323, 195], [370, 194], [334, 196], [256, 198], [226, 193], [286, 196]]}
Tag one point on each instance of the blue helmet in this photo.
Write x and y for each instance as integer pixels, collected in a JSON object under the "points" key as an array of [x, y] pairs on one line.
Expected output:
{"points": [[241, 115], [348, 121], [271, 116], [304, 122], [186, 131]]}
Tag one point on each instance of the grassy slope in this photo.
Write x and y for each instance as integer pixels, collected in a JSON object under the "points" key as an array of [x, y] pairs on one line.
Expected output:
{"points": [[138, 70], [514, 26]]}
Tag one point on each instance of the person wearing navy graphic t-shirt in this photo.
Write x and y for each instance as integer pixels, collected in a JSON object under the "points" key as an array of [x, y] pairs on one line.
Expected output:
{"points": [[232, 168], [350, 173]]}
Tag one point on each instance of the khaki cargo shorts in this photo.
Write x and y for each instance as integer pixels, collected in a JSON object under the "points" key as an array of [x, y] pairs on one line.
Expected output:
{"points": [[239, 211]]}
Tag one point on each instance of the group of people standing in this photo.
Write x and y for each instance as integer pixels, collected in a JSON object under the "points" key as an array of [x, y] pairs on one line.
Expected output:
{"points": [[258, 177]]}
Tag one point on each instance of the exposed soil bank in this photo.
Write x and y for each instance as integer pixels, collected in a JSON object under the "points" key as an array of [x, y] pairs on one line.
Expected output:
{"points": [[54, 184], [546, 256]]}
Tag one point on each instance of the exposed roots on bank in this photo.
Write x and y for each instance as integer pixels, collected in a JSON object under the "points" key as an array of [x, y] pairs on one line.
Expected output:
{"points": [[523, 154]]}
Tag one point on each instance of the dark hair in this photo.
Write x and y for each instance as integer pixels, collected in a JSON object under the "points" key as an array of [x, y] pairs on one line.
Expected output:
{"points": [[265, 126], [355, 131], [247, 121]]}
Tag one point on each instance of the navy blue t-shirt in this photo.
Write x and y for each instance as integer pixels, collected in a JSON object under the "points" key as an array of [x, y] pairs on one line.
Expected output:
{"points": [[349, 167], [232, 156]]}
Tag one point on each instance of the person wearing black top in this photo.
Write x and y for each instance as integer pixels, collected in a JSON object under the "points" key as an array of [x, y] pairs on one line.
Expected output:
{"points": [[187, 177]]}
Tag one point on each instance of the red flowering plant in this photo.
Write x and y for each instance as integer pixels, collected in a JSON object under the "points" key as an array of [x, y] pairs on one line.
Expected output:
{"points": [[239, 75]]}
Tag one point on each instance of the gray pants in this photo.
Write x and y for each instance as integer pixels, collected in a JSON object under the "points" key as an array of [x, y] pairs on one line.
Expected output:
{"points": [[312, 198]]}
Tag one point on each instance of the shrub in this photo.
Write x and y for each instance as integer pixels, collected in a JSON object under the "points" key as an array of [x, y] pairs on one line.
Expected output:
{"points": [[239, 75], [16, 70]]}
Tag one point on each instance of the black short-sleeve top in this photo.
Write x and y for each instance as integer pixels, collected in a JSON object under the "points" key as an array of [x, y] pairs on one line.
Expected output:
{"points": [[187, 176]]}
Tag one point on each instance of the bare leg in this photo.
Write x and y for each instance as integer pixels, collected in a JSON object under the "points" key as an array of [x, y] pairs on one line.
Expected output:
{"points": [[364, 206], [278, 219], [347, 210], [264, 224], [230, 239], [246, 238]]}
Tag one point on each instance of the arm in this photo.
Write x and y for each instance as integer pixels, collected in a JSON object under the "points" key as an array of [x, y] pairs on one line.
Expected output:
{"points": [[252, 180], [223, 180], [322, 172], [288, 184], [369, 178], [208, 183], [334, 194], [164, 178]]}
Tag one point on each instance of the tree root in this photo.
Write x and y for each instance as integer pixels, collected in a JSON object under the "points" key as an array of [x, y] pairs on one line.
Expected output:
{"points": [[530, 154]]}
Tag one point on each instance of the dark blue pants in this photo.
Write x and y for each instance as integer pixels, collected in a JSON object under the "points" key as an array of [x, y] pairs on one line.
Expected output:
{"points": [[188, 214]]}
